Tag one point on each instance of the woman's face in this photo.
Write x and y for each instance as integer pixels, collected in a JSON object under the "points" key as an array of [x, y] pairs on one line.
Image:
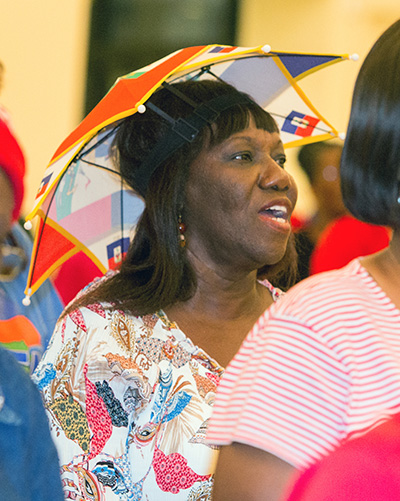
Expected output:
{"points": [[239, 201]]}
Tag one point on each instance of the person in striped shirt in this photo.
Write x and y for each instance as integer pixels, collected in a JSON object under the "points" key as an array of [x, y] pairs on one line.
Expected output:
{"points": [[322, 366]]}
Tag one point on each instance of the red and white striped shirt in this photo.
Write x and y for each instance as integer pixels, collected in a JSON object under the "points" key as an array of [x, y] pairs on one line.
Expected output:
{"points": [[320, 366]]}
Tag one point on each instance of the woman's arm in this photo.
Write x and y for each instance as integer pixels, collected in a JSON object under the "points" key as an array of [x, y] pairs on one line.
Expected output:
{"points": [[245, 473]]}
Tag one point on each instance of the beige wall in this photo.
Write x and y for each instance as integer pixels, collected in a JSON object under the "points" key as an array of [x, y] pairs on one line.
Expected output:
{"points": [[43, 47], [326, 26]]}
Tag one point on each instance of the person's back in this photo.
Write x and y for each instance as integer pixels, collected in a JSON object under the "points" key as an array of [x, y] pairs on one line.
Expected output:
{"points": [[365, 468], [29, 468], [343, 240]]}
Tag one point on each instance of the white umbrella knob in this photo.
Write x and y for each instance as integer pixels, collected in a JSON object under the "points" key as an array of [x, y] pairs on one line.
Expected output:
{"points": [[26, 301], [28, 225], [266, 48]]}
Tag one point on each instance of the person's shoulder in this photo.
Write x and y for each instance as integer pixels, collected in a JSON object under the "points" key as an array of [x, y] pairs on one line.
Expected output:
{"points": [[328, 279], [316, 308], [97, 312], [321, 290]]}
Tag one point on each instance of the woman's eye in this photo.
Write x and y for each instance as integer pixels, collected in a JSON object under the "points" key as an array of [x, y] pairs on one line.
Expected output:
{"points": [[281, 160], [243, 157]]}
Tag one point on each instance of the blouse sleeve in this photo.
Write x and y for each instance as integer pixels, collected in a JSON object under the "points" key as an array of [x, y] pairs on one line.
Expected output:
{"points": [[285, 392]]}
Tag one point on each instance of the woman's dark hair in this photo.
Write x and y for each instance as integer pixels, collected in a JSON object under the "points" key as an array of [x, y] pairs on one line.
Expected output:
{"points": [[156, 272], [370, 163]]}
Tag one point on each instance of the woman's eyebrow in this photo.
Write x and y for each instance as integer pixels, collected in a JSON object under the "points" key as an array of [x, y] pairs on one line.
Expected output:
{"points": [[249, 139]]}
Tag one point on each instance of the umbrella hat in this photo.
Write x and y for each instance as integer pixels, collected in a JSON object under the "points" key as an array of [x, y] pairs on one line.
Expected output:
{"points": [[82, 203]]}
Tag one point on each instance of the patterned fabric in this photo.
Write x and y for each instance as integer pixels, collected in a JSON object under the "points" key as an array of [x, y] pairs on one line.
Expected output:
{"points": [[128, 399], [319, 367]]}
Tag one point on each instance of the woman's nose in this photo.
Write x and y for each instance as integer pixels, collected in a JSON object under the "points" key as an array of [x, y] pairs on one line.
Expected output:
{"points": [[273, 176]]}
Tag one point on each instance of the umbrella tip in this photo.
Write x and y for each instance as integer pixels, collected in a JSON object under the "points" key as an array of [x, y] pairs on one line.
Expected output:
{"points": [[26, 301], [28, 225], [354, 57], [342, 135], [266, 48], [141, 108]]}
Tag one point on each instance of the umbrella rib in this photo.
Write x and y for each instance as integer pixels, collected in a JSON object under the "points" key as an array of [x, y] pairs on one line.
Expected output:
{"points": [[81, 159], [207, 70], [42, 230], [203, 70], [122, 214], [104, 138]]}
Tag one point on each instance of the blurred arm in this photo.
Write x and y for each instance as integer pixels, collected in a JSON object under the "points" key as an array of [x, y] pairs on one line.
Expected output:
{"points": [[246, 473]]}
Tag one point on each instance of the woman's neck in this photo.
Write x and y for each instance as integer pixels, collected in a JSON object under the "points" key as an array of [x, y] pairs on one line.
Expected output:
{"points": [[225, 292], [221, 312]]}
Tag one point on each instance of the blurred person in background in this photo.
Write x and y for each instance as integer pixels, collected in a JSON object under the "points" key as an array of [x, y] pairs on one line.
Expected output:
{"points": [[332, 237], [29, 466], [320, 162], [25, 330], [366, 468]]}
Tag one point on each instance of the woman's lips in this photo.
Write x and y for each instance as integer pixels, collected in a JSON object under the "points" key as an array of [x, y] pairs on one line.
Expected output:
{"points": [[277, 216]]}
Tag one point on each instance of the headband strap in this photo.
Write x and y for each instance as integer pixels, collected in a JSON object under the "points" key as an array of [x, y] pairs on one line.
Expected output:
{"points": [[183, 130]]}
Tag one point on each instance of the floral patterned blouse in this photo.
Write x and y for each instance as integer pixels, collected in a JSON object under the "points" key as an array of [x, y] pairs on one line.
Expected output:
{"points": [[128, 399]]}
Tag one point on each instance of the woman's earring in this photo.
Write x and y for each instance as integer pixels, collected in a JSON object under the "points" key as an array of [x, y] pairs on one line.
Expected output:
{"points": [[182, 229]]}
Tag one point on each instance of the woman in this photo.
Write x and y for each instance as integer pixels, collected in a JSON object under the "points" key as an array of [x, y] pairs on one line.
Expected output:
{"points": [[130, 377], [323, 365]]}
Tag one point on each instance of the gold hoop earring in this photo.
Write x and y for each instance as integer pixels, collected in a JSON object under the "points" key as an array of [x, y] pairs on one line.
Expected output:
{"points": [[181, 229]]}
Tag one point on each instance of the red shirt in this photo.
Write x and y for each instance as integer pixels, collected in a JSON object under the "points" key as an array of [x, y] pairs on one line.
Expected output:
{"points": [[345, 239], [366, 468]]}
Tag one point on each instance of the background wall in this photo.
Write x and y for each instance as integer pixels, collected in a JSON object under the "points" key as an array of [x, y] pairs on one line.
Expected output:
{"points": [[43, 46], [327, 26]]}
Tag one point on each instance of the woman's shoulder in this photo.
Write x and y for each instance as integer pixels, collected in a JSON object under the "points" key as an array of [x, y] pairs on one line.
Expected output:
{"points": [[108, 316], [323, 292], [77, 307], [341, 279], [96, 282]]}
